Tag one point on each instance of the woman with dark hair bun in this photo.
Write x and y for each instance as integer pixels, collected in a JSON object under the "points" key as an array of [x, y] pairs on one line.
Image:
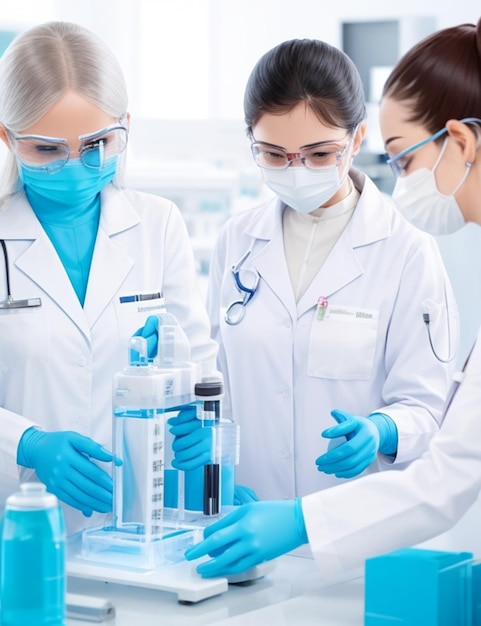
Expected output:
{"points": [[318, 300]]}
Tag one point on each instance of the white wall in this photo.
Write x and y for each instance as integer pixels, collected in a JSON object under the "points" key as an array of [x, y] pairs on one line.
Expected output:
{"points": [[228, 41]]}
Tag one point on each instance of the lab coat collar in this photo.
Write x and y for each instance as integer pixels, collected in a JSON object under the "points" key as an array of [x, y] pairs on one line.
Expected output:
{"points": [[18, 221], [267, 224], [117, 214], [110, 264], [268, 257], [370, 223]]}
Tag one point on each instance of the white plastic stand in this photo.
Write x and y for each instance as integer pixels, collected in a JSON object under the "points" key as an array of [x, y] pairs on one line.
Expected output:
{"points": [[179, 578]]}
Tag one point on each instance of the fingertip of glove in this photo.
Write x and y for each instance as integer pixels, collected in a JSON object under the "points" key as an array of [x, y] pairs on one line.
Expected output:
{"points": [[330, 433], [190, 554], [339, 416]]}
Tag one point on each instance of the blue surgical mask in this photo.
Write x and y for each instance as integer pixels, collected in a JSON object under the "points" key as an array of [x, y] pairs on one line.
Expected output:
{"points": [[75, 185]]}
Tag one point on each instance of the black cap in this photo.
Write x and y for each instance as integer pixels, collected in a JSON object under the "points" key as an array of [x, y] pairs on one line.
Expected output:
{"points": [[209, 388]]}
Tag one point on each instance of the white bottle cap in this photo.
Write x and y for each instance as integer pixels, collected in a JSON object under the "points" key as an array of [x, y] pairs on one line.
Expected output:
{"points": [[32, 496]]}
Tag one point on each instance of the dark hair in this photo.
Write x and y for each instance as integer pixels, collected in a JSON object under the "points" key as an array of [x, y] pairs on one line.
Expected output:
{"points": [[310, 71], [440, 76]]}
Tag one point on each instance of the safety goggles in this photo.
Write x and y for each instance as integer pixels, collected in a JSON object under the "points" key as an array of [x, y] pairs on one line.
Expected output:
{"points": [[315, 157], [50, 154], [395, 162]]}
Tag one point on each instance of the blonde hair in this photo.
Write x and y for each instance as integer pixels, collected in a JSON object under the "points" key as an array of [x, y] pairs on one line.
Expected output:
{"points": [[40, 66]]}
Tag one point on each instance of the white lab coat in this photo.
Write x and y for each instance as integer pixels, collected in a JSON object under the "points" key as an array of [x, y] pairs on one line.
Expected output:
{"points": [[285, 370], [388, 511], [57, 360]]}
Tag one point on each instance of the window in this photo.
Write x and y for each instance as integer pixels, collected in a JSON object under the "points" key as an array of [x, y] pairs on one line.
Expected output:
{"points": [[174, 49]]}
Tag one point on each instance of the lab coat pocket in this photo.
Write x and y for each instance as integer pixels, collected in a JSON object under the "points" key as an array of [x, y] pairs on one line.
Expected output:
{"points": [[342, 344]]}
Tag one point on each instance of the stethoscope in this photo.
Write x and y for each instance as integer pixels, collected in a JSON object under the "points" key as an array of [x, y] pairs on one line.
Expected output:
{"points": [[426, 321], [451, 356], [236, 310], [10, 303]]}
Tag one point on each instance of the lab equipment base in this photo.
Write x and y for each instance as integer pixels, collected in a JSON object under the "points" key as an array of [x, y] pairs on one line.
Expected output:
{"points": [[179, 578], [107, 546]]}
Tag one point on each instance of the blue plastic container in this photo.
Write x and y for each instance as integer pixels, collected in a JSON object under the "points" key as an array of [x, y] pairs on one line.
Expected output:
{"points": [[417, 587], [32, 559]]}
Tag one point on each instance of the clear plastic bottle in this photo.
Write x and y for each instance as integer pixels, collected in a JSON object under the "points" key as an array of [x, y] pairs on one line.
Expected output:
{"points": [[32, 559], [146, 395]]}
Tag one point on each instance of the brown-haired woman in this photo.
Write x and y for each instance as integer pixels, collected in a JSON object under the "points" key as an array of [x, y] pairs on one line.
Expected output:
{"points": [[289, 359]]}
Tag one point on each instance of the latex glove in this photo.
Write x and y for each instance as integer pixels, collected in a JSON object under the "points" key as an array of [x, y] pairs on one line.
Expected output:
{"points": [[357, 452], [192, 444], [150, 332], [252, 534], [62, 461], [244, 495]]}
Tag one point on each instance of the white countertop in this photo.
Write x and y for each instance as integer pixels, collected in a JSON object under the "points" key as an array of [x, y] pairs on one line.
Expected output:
{"points": [[291, 594]]}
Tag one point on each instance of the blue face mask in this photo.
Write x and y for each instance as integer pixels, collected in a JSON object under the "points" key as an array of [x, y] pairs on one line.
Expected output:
{"points": [[75, 185]]}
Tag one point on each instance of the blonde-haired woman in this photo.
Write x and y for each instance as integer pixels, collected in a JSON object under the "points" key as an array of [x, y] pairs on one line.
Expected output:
{"points": [[80, 253]]}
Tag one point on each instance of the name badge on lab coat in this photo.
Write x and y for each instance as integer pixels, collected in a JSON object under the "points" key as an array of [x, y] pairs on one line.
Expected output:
{"points": [[133, 309], [343, 343]]}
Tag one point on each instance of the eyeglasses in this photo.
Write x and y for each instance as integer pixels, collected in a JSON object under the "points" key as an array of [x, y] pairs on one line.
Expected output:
{"points": [[50, 154], [316, 157], [398, 168], [246, 282]]}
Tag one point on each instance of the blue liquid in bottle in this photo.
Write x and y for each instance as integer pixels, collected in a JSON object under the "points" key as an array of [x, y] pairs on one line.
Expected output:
{"points": [[33, 559]]}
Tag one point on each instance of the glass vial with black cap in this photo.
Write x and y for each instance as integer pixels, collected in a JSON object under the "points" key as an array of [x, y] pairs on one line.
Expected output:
{"points": [[209, 393]]}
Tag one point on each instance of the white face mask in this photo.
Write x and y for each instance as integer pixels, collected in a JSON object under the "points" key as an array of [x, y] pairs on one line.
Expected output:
{"points": [[302, 189], [420, 201]]}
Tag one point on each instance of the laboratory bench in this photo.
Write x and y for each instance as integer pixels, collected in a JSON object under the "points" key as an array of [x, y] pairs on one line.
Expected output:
{"points": [[292, 593]]}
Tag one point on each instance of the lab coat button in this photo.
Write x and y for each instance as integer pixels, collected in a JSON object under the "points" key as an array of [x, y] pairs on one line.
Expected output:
{"points": [[287, 322], [285, 393], [82, 362]]}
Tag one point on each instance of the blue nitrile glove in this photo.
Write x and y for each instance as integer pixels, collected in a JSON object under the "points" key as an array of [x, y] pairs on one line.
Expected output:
{"points": [[62, 460], [150, 332], [251, 534], [244, 495], [365, 436], [192, 444]]}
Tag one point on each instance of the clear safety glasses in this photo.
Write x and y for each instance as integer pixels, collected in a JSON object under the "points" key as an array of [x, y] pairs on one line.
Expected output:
{"points": [[315, 157], [246, 282], [396, 163], [50, 154]]}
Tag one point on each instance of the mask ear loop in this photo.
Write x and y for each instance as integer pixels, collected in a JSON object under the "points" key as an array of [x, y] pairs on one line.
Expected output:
{"points": [[441, 154], [348, 146], [468, 165]]}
